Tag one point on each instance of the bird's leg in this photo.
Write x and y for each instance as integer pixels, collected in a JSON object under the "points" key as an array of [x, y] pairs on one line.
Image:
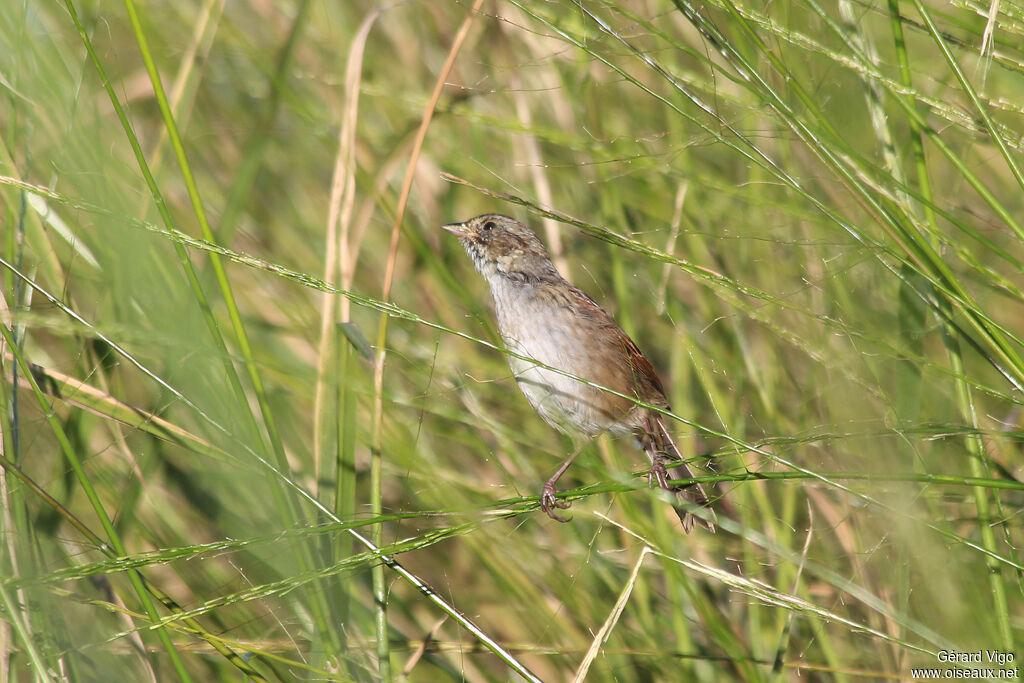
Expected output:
{"points": [[548, 501], [657, 473], [660, 449]]}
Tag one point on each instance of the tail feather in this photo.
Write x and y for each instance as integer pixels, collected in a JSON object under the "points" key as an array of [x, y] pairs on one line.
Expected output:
{"points": [[662, 450]]}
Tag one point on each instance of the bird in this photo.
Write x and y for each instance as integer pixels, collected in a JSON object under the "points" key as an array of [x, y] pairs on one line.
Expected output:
{"points": [[543, 317]]}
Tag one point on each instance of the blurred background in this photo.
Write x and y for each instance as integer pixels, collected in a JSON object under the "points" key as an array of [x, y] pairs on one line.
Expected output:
{"points": [[234, 332]]}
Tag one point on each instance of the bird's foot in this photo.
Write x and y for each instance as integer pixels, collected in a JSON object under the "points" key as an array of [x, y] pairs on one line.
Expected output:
{"points": [[659, 474], [548, 503]]}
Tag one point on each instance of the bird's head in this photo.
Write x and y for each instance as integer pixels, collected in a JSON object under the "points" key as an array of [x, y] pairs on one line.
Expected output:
{"points": [[500, 245]]}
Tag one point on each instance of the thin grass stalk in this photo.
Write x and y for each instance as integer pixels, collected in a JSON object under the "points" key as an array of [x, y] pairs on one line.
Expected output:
{"points": [[978, 458], [724, 285], [122, 563], [336, 246], [368, 302], [762, 591], [927, 261], [670, 245], [288, 504], [395, 311], [76, 393], [113, 538], [345, 491], [13, 618], [14, 524], [192, 277], [11, 566], [908, 386], [345, 400], [195, 53], [331, 342], [204, 226], [411, 316], [169, 223], [252, 154], [975, 447], [161, 205], [916, 135], [920, 253], [502, 509], [979, 108], [910, 313], [965, 402], [376, 449], [784, 637], [603, 633], [936, 270], [540, 181]]}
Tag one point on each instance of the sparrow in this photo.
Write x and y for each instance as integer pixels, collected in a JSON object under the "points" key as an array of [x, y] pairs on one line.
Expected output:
{"points": [[544, 317]]}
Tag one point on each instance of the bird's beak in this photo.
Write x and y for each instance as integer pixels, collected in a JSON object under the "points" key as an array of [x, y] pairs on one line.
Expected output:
{"points": [[460, 230]]}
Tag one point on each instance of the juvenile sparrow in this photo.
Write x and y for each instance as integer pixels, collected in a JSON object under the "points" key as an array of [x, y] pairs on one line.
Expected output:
{"points": [[542, 316]]}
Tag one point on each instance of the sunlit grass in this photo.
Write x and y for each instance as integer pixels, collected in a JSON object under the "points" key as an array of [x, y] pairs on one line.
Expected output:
{"points": [[808, 216]]}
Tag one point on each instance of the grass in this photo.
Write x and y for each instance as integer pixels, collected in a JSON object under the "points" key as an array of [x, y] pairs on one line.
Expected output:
{"points": [[256, 419]]}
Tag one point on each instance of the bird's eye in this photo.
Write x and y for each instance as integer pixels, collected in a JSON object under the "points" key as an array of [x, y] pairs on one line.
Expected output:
{"points": [[489, 225]]}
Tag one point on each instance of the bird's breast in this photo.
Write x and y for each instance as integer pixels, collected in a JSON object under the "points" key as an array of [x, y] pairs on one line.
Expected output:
{"points": [[542, 325]]}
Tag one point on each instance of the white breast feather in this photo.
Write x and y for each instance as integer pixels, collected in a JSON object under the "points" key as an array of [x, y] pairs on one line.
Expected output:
{"points": [[554, 345]]}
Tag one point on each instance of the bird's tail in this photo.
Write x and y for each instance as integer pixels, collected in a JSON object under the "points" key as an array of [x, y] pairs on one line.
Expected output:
{"points": [[662, 451]]}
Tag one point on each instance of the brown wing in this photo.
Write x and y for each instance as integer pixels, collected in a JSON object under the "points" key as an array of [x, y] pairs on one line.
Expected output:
{"points": [[637, 374], [645, 380]]}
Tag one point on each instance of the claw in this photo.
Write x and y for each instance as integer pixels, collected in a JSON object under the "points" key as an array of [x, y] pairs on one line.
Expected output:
{"points": [[548, 502]]}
